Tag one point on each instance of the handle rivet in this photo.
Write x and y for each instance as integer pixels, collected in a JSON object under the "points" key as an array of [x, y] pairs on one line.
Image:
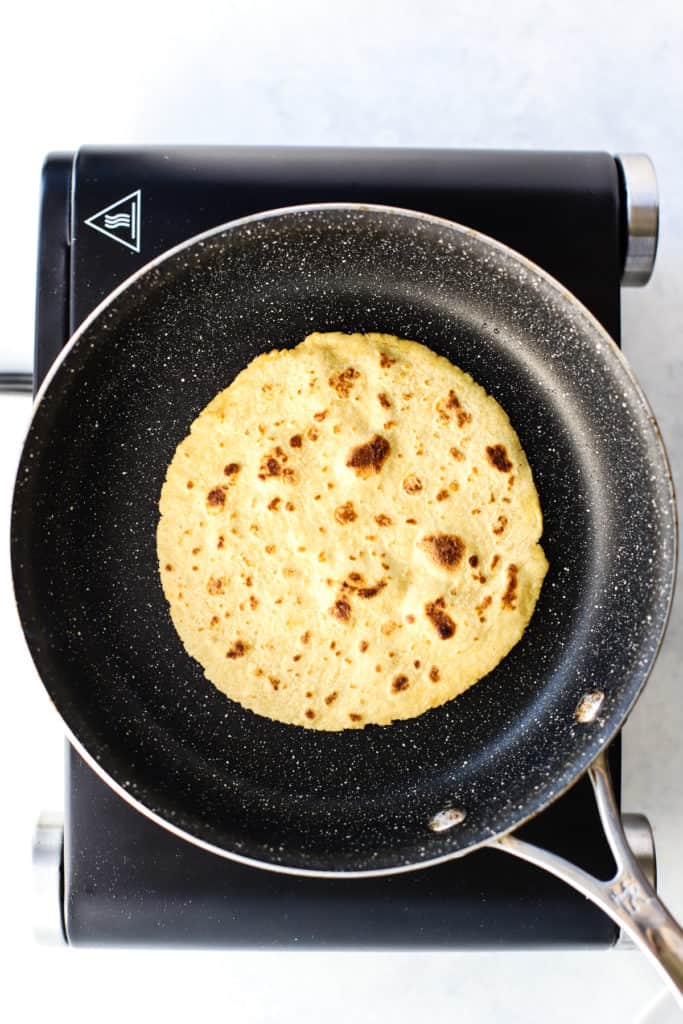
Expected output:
{"points": [[445, 819], [588, 707]]}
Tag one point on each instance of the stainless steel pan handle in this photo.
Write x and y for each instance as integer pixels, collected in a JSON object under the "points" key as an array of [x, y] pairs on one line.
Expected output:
{"points": [[628, 898], [14, 382]]}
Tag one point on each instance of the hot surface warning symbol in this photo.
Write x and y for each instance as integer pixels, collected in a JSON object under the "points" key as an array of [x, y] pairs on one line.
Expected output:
{"points": [[120, 221]]}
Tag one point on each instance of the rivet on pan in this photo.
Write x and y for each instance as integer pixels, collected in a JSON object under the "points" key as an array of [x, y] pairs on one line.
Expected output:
{"points": [[588, 706], [443, 820]]}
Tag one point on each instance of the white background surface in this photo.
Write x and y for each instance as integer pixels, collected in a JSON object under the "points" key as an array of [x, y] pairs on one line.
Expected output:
{"points": [[591, 75]]}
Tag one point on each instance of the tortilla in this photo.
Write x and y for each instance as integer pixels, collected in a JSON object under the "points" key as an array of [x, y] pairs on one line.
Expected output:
{"points": [[349, 533]]}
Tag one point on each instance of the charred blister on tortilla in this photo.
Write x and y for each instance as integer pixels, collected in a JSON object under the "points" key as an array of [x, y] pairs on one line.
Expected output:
{"points": [[368, 459]]}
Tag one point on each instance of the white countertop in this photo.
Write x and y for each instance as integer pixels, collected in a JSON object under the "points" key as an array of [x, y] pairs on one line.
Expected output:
{"points": [[592, 75]]}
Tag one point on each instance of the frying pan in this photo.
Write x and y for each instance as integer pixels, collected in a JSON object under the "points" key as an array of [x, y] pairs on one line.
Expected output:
{"points": [[382, 799]]}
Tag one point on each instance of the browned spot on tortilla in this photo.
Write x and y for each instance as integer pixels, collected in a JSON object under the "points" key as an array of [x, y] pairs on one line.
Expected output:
{"points": [[385, 360], [494, 561], [214, 620], [417, 663], [216, 497], [238, 649], [168, 567], [501, 523], [274, 682], [434, 674], [383, 520], [296, 441], [289, 506], [342, 382], [363, 646], [364, 592], [400, 683], [442, 495], [440, 619], [195, 551], [232, 469], [215, 585], [410, 619], [355, 717], [509, 599], [387, 628], [312, 434], [306, 637], [270, 549], [341, 609], [270, 467], [384, 400], [452, 406], [367, 459], [331, 697], [320, 416], [310, 713], [474, 561], [221, 541], [457, 454], [412, 522], [482, 606], [446, 549], [345, 513], [190, 485], [412, 484], [498, 457], [272, 505]]}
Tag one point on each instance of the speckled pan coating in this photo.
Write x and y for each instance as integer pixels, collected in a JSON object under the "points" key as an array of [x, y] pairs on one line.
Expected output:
{"points": [[85, 513]]}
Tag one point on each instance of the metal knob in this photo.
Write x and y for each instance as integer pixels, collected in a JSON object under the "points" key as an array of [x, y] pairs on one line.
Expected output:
{"points": [[48, 890], [638, 832], [640, 200]]}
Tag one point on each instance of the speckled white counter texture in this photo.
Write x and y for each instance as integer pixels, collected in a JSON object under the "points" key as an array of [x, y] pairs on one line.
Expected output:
{"points": [[593, 74]]}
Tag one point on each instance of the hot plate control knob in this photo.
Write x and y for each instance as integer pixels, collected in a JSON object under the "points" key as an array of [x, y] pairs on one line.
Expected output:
{"points": [[48, 890], [639, 835], [640, 203]]}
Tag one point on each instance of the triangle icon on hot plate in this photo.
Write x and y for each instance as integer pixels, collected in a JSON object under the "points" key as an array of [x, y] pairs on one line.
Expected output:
{"points": [[120, 221]]}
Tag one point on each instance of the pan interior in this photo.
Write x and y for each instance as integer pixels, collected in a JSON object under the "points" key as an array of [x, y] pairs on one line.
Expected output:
{"points": [[86, 509]]}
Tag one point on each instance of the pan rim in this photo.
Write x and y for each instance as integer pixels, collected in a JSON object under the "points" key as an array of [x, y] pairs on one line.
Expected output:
{"points": [[605, 339]]}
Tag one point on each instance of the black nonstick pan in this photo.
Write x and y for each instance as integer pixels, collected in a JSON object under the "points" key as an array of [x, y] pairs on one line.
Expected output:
{"points": [[382, 799]]}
